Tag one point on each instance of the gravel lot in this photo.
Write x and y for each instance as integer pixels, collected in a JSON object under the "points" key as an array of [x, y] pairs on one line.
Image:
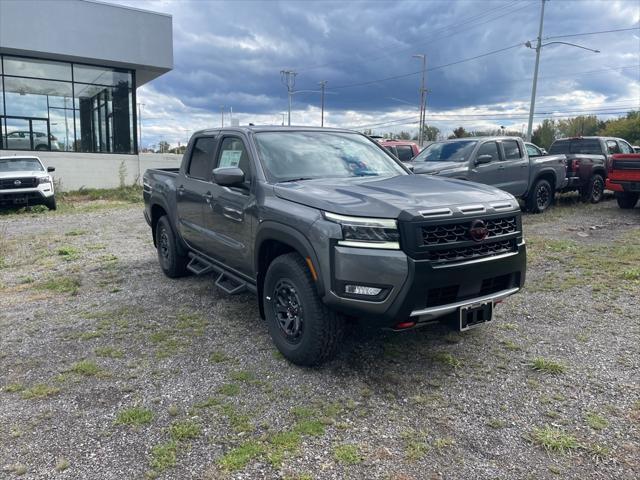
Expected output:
{"points": [[109, 370]]}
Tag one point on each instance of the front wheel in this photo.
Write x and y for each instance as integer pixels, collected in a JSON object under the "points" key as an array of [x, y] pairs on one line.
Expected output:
{"points": [[627, 199], [172, 263], [541, 196], [593, 192], [51, 203], [304, 330]]}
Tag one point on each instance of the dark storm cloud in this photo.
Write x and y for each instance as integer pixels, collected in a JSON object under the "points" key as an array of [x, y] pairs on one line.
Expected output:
{"points": [[231, 52]]}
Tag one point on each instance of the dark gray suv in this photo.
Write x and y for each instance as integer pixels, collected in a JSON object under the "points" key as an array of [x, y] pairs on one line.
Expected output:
{"points": [[325, 225]]}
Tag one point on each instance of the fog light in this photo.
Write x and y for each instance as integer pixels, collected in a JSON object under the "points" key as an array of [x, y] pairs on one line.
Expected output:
{"points": [[362, 290]]}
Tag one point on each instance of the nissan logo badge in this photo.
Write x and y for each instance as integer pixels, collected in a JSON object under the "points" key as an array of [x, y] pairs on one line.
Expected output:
{"points": [[478, 230], [17, 182]]}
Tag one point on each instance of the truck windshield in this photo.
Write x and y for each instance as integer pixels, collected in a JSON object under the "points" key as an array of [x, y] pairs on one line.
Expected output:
{"points": [[457, 151], [289, 156], [20, 165]]}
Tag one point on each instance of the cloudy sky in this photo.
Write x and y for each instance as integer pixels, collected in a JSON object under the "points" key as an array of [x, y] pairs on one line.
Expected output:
{"points": [[231, 52]]}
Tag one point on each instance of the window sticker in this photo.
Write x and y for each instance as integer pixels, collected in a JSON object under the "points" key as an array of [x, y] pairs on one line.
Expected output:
{"points": [[230, 158]]}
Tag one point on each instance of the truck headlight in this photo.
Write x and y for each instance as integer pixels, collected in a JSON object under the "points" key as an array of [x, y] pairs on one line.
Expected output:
{"points": [[367, 232], [46, 179]]}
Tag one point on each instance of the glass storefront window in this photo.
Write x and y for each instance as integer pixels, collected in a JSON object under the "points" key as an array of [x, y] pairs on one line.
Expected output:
{"points": [[42, 108]]}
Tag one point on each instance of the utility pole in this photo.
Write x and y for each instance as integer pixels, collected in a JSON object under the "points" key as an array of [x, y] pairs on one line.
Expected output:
{"points": [[222, 115], [535, 75], [288, 78], [422, 99], [322, 85], [283, 114]]}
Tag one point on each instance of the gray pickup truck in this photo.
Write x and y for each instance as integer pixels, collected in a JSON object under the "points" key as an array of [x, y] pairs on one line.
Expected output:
{"points": [[503, 162], [325, 225]]}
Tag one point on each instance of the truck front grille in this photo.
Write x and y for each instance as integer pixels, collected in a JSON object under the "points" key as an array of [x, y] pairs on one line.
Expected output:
{"points": [[459, 232], [10, 183], [472, 251], [455, 293]]}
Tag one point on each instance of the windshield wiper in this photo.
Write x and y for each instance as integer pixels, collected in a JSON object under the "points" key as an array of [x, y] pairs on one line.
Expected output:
{"points": [[299, 179]]}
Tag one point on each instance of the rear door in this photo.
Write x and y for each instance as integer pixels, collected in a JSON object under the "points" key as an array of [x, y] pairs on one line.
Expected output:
{"points": [[227, 210], [192, 185], [486, 173], [514, 168]]}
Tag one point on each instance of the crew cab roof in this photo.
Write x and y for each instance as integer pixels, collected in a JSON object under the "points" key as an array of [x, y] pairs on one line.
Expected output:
{"points": [[273, 128]]}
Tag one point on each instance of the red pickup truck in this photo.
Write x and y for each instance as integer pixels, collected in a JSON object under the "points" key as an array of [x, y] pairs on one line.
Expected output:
{"points": [[404, 150], [624, 178]]}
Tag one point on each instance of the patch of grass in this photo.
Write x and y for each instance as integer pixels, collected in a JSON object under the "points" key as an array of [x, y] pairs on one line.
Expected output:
{"points": [[441, 443], [631, 274], [192, 322], [86, 368], [208, 403], [595, 421], [415, 444], [229, 389], [302, 412], [239, 422], [281, 444], [62, 285], [39, 391], [75, 233], [314, 428], [61, 464], [69, 253], [163, 456], [447, 358], [554, 440], [347, 453], [496, 423], [13, 388], [134, 416], [598, 452], [127, 193], [547, 366], [187, 429], [242, 376], [218, 357], [239, 457], [510, 345], [109, 352], [507, 326]]}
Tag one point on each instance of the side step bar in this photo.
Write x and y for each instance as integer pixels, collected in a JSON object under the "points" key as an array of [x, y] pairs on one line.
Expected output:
{"points": [[228, 282]]}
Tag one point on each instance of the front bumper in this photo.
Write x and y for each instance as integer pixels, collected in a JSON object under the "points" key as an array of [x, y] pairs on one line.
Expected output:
{"points": [[420, 290], [24, 197], [623, 186]]}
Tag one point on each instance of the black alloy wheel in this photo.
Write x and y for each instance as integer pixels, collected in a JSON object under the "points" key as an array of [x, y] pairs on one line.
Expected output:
{"points": [[288, 311]]}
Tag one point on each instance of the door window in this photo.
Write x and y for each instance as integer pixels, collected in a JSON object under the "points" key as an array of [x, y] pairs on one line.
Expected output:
{"points": [[511, 150], [625, 147], [533, 151], [201, 157], [234, 154], [489, 148], [405, 152], [612, 147]]}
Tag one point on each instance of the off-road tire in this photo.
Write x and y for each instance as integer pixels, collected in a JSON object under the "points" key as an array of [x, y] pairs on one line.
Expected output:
{"points": [[593, 191], [541, 196], [627, 199], [322, 328], [51, 203], [171, 262]]}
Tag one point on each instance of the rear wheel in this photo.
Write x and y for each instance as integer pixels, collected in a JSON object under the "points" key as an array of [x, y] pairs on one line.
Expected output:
{"points": [[593, 192], [304, 330], [541, 196], [627, 199], [172, 263]]}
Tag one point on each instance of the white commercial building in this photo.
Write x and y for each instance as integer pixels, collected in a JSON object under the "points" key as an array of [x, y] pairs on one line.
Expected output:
{"points": [[69, 70]]}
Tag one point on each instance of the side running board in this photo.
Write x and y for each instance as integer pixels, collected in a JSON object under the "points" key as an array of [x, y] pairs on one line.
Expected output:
{"points": [[226, 281]]}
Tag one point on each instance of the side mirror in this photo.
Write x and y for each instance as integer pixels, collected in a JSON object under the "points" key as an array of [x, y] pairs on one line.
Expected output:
{"points": [[51, 169], [484, 159], [228, 176]]}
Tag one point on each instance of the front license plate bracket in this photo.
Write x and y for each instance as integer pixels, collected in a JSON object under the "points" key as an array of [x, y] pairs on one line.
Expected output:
{"points": [[473, 315]]}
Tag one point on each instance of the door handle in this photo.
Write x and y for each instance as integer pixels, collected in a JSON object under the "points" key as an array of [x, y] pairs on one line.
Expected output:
{"points": [[207, 196], [181, 190]]}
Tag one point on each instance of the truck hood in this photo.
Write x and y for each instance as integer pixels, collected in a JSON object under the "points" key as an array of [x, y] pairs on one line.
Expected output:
{"points": [[436, 167], [23, 174], [387, 197]]}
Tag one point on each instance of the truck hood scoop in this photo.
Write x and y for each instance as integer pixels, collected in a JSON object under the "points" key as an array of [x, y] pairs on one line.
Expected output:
{"points": [[387, 197]]}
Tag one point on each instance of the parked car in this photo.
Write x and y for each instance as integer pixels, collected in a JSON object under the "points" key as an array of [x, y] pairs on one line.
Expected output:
{"points": [[323, 224], [587, 163], [21, 140], [503, 162], [624, 178], [404, 150], [24, 181], [636, 149]]}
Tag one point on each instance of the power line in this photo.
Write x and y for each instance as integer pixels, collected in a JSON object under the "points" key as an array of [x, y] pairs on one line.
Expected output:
{"points": [[592, 33]]}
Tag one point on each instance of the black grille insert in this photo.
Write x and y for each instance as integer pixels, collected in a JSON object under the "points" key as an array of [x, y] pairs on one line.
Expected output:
{"points": [[10, 183], [459, 232], [442, 295], [471, 252]]}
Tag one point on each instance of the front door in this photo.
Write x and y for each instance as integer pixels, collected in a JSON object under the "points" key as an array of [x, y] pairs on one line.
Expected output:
{"points": [[227, 212], [192, 186], [513, 169], [486, 173]]}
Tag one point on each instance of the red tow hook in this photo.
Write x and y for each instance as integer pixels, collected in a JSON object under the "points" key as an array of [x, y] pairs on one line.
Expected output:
{"points": [[404, 325]]}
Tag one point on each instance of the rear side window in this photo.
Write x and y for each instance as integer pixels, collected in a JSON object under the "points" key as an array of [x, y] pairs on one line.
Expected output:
{"points": [[625, 147], [489, 148], [405, 152], [511, 150], [585, 146], [201, 158]]}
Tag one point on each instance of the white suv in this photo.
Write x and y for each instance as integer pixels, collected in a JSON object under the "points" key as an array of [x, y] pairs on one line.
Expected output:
{"points": [[24, 181]]}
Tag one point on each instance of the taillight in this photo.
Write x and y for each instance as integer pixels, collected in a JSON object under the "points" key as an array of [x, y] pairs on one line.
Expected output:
{"points": [[575, 165]]}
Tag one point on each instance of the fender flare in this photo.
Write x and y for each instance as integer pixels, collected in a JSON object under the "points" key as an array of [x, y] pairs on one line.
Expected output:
{"points": [[161, 202], [271, 230]]}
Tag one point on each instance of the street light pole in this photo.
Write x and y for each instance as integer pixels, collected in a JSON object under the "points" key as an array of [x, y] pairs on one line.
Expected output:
{"points": [[222, 115], [535, 75], [422, 95], [322, 85]]}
